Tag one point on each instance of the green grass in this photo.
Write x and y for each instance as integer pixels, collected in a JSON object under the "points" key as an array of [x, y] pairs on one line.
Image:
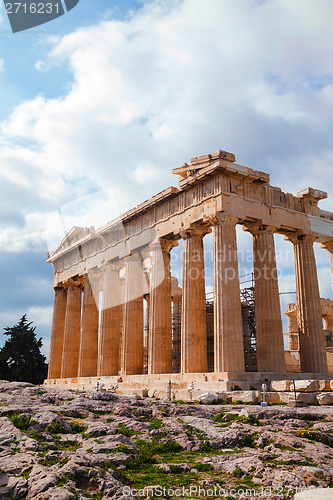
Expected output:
{"points": [[21, 422], [155, 424], [147, 452], [318, 436], [77, 427], [56, 428], [49, 461], [125, 431]]}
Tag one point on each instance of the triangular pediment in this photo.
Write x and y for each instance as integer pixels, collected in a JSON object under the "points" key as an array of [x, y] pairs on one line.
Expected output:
{"points": [[72, 237]]}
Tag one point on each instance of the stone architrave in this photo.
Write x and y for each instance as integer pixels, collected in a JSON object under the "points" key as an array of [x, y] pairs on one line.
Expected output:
{"points": [[269, 333], [89, 330], [193, 323], [72, 334], [228, 330], [310, 326], [57, 334], [111, 321], [132, 345]]}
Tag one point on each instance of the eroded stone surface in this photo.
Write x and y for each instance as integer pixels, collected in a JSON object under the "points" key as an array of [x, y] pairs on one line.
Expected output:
{"points": [[70, 446]]}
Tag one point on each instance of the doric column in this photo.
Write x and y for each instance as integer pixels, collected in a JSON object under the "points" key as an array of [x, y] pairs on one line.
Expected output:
{"points": [[328, 322], [132, 346], [328, 245], [176, 332], [160, 321], [193, 325], [71, 348], [57, 334], [228, 330], [89, 329], [292, 327], [310, 326], [111, 319], [269, 334], [176, 295]]}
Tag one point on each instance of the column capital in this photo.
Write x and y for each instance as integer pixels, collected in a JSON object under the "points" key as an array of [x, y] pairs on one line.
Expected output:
{"points": [[132, 257], [77, 281], [93, 274], [299, 237], [112, 265], [60, 287], [164, 244], [259, 227], [197, 230], [223, 218], [328, 245]]}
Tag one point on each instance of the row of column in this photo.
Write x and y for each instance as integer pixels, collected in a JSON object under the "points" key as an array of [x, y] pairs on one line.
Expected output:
{"points": [[74, 343]]}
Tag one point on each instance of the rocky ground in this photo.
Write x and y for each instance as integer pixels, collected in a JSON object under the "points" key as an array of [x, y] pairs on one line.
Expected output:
{"points": [[62, 444]]}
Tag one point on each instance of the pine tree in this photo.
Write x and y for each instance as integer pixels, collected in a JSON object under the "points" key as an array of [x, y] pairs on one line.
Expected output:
{"points": [[20, 358]]}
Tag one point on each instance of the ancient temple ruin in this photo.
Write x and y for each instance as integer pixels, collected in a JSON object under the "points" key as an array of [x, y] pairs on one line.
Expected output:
{"points": [[150, 330]]}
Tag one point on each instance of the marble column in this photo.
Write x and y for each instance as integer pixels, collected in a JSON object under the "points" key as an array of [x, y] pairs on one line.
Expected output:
{"points": [[228, 329], [310, 326], [111, 320], [328, 245], [132, 346], [57, 334], [160, 321], [328, 322], [89, 328], [292, 327], [71, 347], [176, 332], [193, 325], [269, 333]]}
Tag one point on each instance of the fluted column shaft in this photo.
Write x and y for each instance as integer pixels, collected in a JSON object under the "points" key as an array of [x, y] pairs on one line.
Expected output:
{"points": [[111, 319], [193, 325], [292, 328], [328, 245], [311, 338], [269, 334], [228, 330], [160, 321], [71, 348], [132, 347], [328, 322], [176, 333], [57, 334], [89, 330]]}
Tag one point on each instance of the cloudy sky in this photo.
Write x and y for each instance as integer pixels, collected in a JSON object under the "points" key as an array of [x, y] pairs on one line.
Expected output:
{"points": [[99, 105]]}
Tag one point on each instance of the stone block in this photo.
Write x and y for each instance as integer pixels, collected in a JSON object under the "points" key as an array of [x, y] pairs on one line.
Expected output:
{"points": [[325, 398], [207, 397], [245, 396], [225, 395], [281, 385], [324, 385], [272, 397], [238, 384], [305, 398], [307, 385]]}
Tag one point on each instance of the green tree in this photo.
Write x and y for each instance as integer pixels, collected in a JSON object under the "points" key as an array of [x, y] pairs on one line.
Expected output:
{"points": [[20, 358]]}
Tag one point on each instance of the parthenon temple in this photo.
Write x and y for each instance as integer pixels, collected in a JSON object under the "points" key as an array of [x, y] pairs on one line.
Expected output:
{"points": [[121, 318]]}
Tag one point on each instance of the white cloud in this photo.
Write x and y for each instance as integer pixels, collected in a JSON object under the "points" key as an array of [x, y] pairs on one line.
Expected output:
{"points": [[175, 80], [1, 60], [40, 315]]}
